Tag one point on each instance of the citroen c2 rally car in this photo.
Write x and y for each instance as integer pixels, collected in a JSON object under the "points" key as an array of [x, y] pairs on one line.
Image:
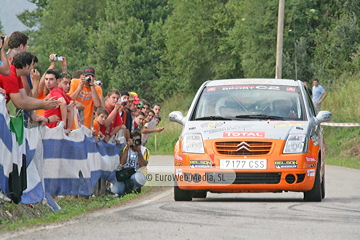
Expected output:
{"points": [[250, 135]]}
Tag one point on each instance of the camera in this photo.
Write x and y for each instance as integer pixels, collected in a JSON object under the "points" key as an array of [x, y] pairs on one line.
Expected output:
{"points": [[123, 101], [56, 58], [137, 141], [88, 79], [2, 39]]}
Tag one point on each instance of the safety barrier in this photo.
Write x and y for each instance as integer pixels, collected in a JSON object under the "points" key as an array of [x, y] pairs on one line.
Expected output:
{"points": [[341, 124]]}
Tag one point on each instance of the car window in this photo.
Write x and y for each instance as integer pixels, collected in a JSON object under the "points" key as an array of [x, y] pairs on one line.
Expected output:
{"points": [[249, 101]]}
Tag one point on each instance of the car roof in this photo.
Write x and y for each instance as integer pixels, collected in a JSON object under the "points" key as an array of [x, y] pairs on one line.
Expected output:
{"points": [[264, 81]]}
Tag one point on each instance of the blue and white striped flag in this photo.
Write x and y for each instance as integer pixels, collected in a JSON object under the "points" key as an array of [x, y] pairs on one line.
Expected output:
{"points": [[73, 164], [56, 164]]}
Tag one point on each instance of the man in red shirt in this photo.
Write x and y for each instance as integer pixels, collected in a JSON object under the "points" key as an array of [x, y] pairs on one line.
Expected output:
{"points": [[21, 65], [113, 106], [66, 111]]}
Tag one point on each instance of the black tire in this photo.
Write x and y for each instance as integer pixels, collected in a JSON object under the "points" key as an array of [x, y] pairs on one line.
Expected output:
{"points": [[315, 194], [199, 194], [323, 187], [182, 195]]}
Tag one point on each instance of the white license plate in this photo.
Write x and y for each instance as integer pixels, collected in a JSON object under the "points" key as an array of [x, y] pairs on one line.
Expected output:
{"points": [[243, 164]]}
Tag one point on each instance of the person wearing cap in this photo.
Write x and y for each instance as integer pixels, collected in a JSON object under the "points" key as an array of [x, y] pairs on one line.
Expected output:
{"points": [[88, 93]]}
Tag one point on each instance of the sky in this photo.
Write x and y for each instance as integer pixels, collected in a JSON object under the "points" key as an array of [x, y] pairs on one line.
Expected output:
{"points": [[8, 11]]}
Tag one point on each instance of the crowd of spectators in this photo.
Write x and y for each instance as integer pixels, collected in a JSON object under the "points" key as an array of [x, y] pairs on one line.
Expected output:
{"points": [[56, 98]]}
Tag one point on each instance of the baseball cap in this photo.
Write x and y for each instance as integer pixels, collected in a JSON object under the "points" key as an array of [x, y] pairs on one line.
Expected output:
{"points": [[141, 104], [134, 99], [89, 71]]}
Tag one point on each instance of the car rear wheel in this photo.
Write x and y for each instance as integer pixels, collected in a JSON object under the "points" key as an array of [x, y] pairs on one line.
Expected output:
{"points": [[323, 187], [182, 195], [315, 194], [199, 194]]}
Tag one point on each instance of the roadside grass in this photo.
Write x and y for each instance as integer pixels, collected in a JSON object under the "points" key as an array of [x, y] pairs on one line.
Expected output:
{"points": [[343, 143], [164, 142], [344, 162], [14, 216]]}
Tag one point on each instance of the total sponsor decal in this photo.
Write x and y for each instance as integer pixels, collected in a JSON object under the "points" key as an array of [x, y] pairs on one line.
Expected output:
{"points": [[200, 164], [243, 134], [310, 159], [179, 157], [311, 172], [286, 164]]}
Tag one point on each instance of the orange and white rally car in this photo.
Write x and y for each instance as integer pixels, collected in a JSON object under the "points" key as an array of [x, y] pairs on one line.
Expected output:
{"points": [[250, 135]]}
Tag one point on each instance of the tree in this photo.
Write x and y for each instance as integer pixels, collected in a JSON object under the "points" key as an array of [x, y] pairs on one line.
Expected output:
{"points": [[33, 18], [196, 45], [126, 52]]}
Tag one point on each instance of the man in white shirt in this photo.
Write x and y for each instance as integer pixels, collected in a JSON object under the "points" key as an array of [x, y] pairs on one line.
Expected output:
{"points": [[319, 95]]}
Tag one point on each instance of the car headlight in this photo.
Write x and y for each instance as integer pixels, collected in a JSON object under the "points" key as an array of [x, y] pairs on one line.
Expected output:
{"points": [[193, 143], [295, 144]]}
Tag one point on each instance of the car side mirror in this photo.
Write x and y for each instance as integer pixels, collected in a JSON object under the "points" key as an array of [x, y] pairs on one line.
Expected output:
{"points": [[323, 116], [177, 116]]}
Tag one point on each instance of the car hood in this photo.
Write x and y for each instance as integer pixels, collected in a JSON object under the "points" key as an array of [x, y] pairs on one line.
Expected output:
{"points": [[246, 129]]}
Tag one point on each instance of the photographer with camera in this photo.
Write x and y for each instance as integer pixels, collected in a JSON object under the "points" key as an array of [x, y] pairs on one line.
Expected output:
{"points": [[86, 92], [4, 64], [134, 157], [113, 106]]}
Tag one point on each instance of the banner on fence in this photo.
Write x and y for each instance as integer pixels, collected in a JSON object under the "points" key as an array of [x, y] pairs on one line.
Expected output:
{"points": [[54, 163]]}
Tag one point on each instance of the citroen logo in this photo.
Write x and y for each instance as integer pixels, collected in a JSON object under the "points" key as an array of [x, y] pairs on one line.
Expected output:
{"points": [[243, 145]]}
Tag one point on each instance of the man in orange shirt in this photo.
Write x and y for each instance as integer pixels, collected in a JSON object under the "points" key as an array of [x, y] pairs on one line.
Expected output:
{"points": [[86, 92]]}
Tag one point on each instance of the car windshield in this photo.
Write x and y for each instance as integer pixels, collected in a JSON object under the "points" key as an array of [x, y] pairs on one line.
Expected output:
{"points": [[250, 102]]}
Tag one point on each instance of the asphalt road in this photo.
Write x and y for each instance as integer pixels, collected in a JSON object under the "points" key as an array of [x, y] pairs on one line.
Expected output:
{"points": [[221, 216]]}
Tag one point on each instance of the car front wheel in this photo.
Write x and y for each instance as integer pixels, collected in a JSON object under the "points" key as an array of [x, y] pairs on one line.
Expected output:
{"points": [[315, 194], [181, 195], [199, 194]]}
